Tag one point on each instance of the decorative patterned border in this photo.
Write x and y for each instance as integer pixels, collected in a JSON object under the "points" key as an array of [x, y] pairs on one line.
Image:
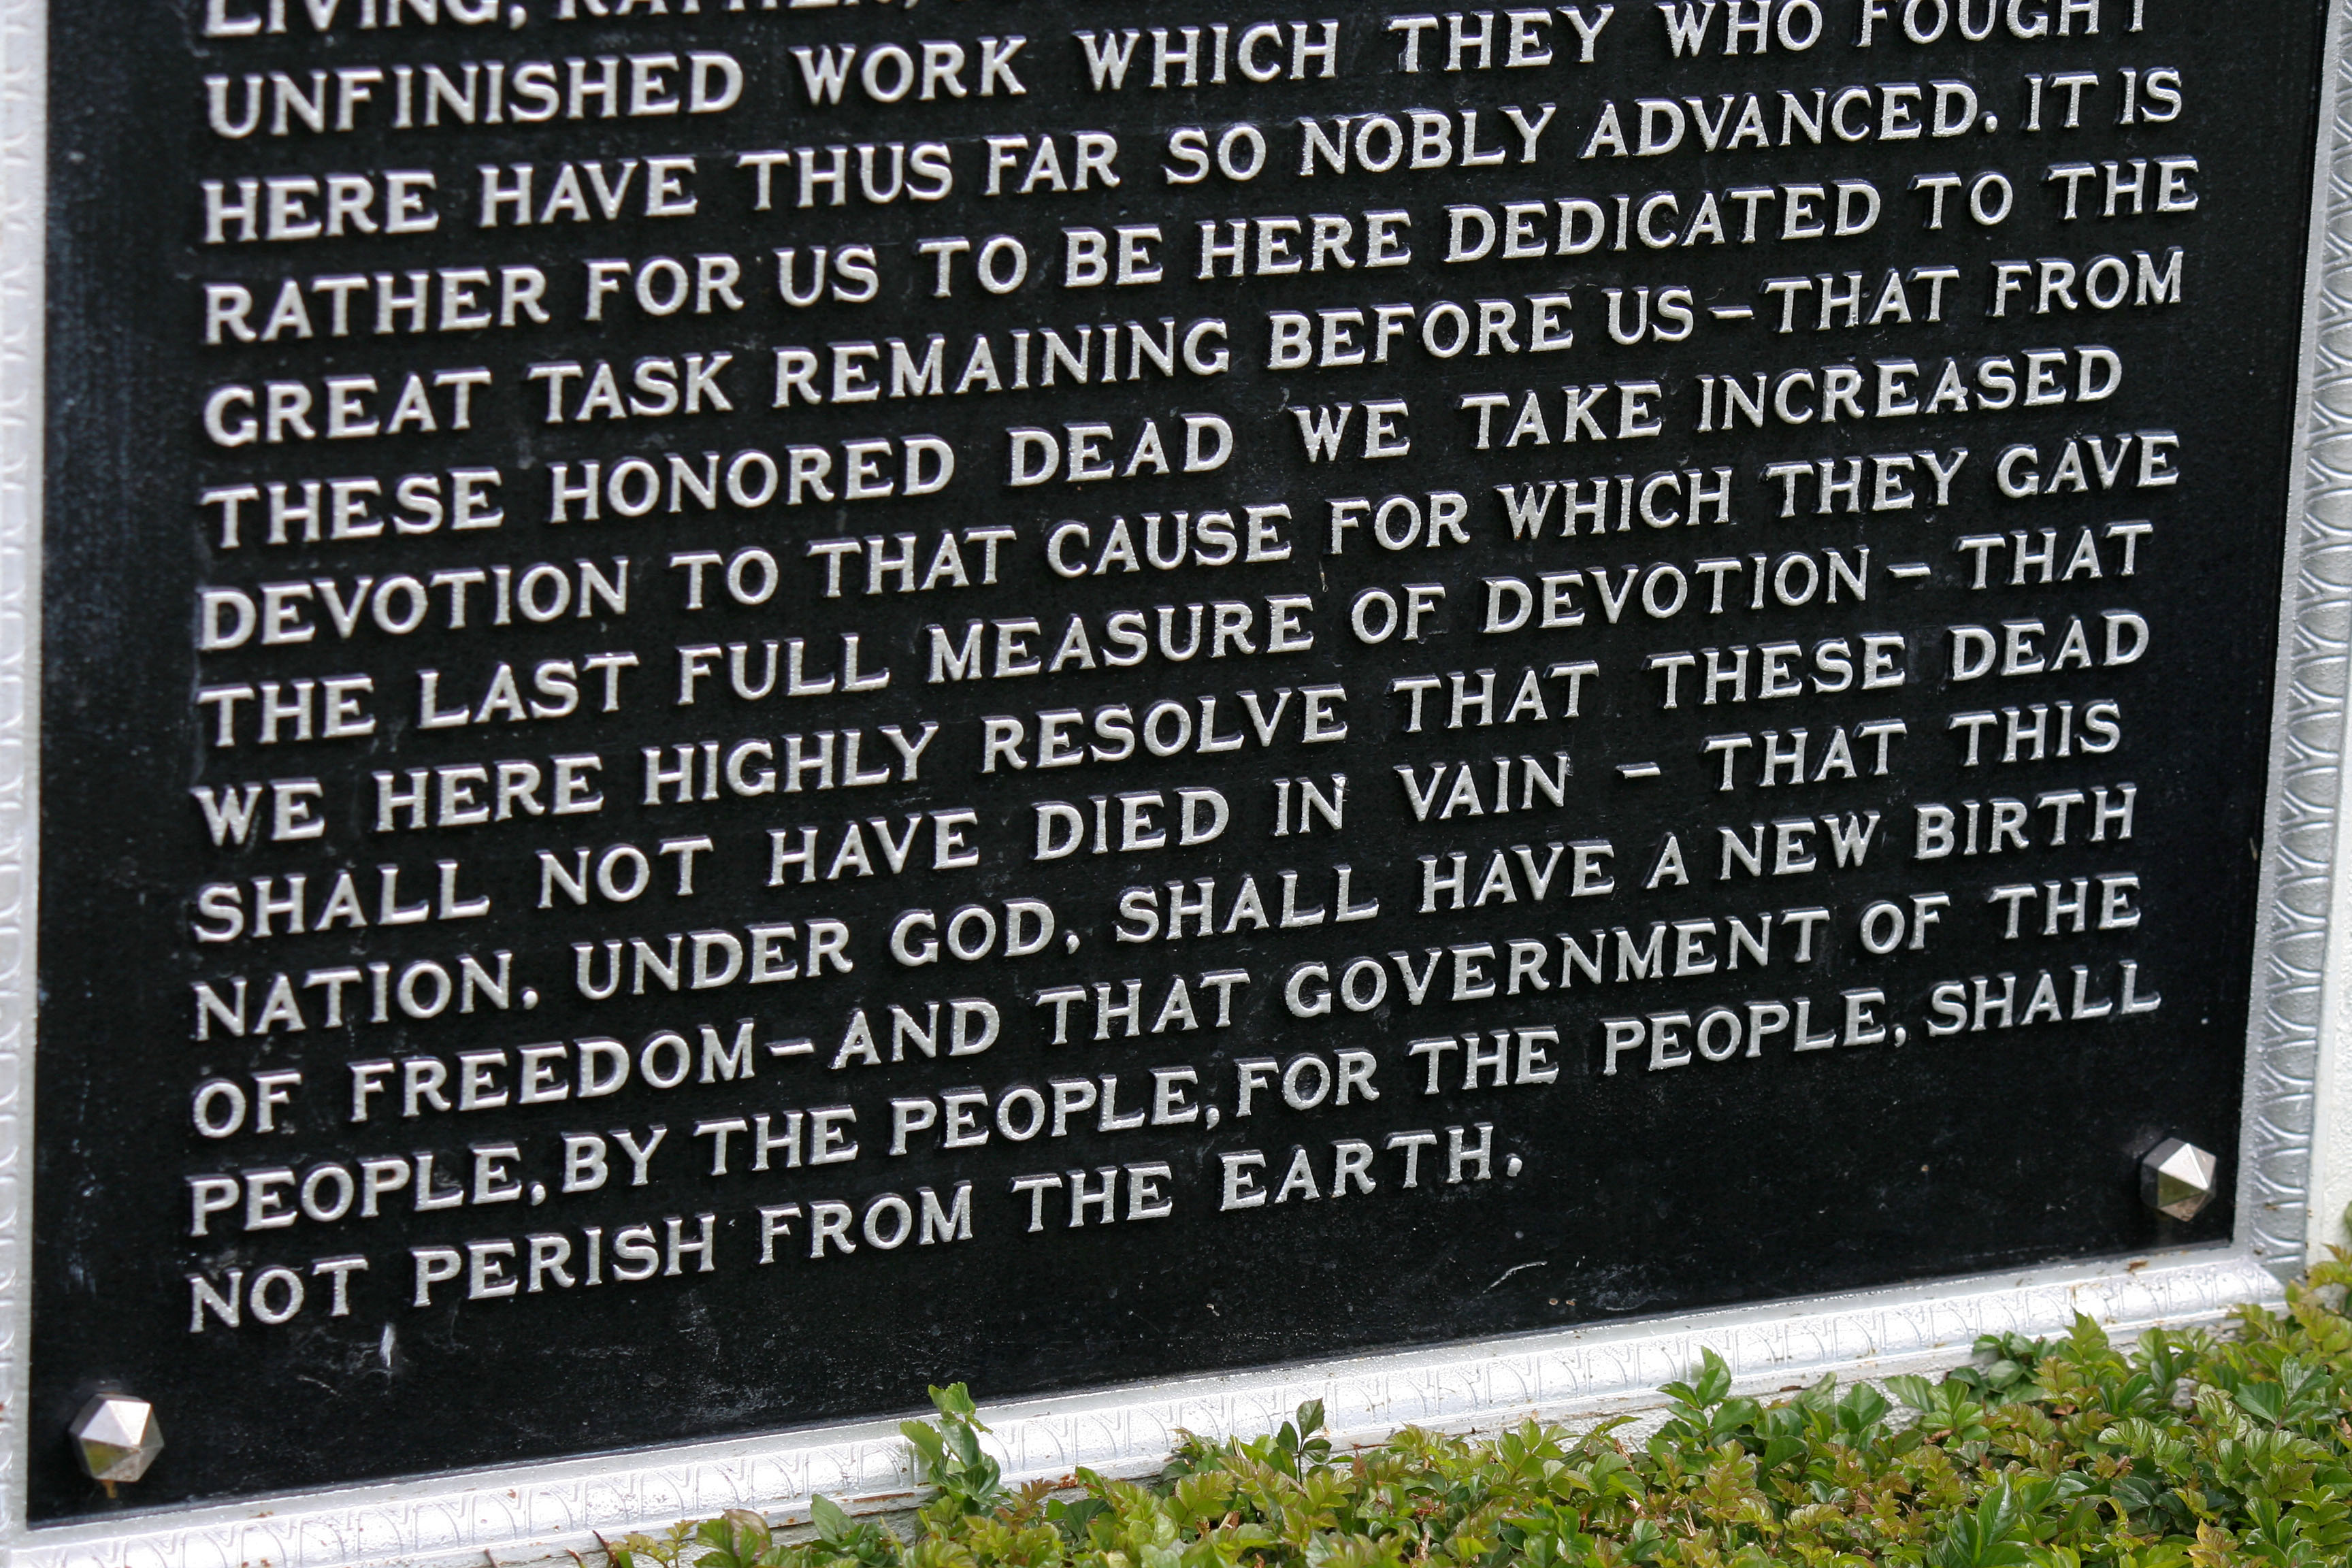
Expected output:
{"points": [[2294, 991], [544, 1511], [24, 242]]}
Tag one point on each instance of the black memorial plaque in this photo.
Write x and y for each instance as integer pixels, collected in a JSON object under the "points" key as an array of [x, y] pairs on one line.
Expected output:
{"points": [[743, 707]]}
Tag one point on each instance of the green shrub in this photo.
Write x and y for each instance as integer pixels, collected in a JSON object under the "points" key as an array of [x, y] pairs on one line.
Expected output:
{"points": [[2191, 1451]]}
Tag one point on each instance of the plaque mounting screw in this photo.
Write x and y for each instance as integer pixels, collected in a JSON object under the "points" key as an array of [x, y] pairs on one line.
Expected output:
{"points": [[116, 1438], [2177, 1178]]}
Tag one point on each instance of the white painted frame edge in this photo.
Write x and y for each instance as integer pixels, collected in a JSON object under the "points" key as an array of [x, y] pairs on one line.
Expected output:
{"points": [[530, 1515], [2291, 1189]]}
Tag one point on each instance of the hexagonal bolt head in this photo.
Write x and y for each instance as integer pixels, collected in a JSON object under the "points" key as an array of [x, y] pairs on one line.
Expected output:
{"points": [[2178, 1179], [116, 1437]]}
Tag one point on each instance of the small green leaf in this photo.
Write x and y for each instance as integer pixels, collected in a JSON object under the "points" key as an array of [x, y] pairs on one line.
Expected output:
{"points": [[832, 1524]]}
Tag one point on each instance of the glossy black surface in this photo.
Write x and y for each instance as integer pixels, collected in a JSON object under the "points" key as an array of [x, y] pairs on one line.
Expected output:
{"points": [[1639, 1194]]}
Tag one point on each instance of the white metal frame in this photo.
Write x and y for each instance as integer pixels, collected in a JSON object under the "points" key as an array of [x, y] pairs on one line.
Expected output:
{"points": [[2293, 1185]]}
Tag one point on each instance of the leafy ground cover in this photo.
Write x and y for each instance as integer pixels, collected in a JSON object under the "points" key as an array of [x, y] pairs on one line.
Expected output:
{"points": [[2190, 1451]]}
